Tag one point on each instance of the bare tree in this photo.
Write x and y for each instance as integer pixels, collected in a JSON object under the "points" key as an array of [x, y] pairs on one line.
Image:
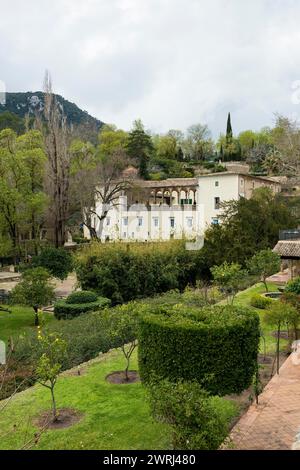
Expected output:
{"points": [[57, 139]]}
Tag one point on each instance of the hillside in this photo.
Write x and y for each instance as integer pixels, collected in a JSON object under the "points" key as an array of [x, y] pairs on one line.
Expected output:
{"points": [[30, 103]]}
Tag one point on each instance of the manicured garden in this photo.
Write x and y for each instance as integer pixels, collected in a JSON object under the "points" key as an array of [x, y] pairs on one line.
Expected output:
{"points": [[113, 416]]}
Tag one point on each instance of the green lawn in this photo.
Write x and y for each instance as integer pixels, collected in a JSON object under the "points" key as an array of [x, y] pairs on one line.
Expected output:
{"points": [[18, 321], [244, 298], [115, 416]]}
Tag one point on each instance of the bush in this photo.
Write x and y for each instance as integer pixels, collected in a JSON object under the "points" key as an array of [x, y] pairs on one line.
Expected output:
{"points": [[293, 286], [86, 336], [123, 272], [81, 297], [198, 421], [57, 261], [217, 346], [65, 309], [260, 301]]}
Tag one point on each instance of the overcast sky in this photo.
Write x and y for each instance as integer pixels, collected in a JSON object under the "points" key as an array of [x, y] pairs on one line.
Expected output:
{"points": [[171, 63]]}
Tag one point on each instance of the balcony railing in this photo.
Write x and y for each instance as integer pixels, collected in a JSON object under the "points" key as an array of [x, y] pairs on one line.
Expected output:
{"points": [[293, 234]]}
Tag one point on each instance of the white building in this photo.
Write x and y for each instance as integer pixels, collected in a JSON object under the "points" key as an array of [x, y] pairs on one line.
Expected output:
{"points": [[175, 208]]}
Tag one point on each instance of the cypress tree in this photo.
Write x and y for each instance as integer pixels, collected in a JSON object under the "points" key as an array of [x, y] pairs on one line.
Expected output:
{"points": [[228, 129]]}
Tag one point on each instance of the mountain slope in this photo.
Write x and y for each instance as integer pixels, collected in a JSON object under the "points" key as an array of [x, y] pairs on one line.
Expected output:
{"points": [[32, 102]]}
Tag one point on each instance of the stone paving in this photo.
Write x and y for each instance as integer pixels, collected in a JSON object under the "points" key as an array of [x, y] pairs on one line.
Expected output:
{"points": [[273, 424]]}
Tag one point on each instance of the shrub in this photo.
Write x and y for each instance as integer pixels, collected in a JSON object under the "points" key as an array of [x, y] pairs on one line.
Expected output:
{"points": [[123, 272], [198, 421], [260, 301], [57, 261], [293, 286], [65, 309], [81, 297], [86, 336], [217, 346]]}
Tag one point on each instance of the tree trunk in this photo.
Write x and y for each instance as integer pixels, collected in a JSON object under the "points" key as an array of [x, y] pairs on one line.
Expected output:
{"points": [[126, 370], [277, 351], [36, 316], [54, 411]]}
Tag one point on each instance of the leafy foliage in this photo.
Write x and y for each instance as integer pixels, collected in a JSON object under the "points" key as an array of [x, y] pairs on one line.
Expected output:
{"points": [[125, 272], [217, 346], [81, 297], [228, 278], [69, 308], [260, 301], [57, 261], [265, 263], [197, 420], [293, 286]]}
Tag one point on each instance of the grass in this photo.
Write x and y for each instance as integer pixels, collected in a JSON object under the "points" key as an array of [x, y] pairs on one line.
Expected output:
{"points": [[18, 321], [244, 298], [115, 416]]}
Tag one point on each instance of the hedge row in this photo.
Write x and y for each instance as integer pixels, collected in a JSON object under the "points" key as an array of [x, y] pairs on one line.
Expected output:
{"points": [[65, 309], [216, 346], [123, 272]]}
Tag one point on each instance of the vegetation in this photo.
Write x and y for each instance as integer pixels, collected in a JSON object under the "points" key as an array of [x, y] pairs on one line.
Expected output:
{"points": [[221, 344], [198, 421], [261, 302], [112, 418], [293, 286], [77, 304], [264, 263], [124, 272], [53, 349], [34, 290], [57, 261], [228, 277], [277, 315]]}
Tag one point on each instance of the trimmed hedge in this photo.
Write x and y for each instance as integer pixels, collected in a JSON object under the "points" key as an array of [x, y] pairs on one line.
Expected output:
{"points": [[216, 346], [65, 309], [81, 297], [260, 301], [124, 272]]}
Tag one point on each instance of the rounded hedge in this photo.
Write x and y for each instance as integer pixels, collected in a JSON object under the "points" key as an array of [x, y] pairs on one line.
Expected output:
{"points": [[63, 309], [81, 297], [216, 346], [260, 301]]}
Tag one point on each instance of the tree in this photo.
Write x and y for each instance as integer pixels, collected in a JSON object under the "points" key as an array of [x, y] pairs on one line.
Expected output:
{"points": [[228, 278], [229, 133], [97, 174], [278, 314], [34, 290], [293, 299], [140, 147], [57, 141], [126, 328], [53, 351], [198, 144], [57, 261], [264, 263]]}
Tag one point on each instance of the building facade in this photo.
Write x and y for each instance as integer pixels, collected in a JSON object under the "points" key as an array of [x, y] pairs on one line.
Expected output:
{"points": [[174, 208]]}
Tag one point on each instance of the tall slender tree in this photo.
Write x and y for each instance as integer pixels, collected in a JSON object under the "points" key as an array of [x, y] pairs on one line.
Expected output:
{"points": [[229, 129], [140, 147]]}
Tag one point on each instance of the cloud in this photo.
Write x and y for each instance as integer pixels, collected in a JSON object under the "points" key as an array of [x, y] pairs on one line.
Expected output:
{"points": [[170, 62]]}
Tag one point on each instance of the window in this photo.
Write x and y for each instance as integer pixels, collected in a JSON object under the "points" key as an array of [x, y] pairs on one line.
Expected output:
{"points": [[124, 235], [132, 234], [155, 221], [216, 183], [107, 220], [140, 221], [215, 221], [172, 222], [189, 221], [217, 203], [125, 221], [242, 182]]}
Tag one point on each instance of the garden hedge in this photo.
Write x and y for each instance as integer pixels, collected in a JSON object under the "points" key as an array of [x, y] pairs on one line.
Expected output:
{"points": [[67, 309], [293, 286], [124, 272], [216, 346], [260, 301]]}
